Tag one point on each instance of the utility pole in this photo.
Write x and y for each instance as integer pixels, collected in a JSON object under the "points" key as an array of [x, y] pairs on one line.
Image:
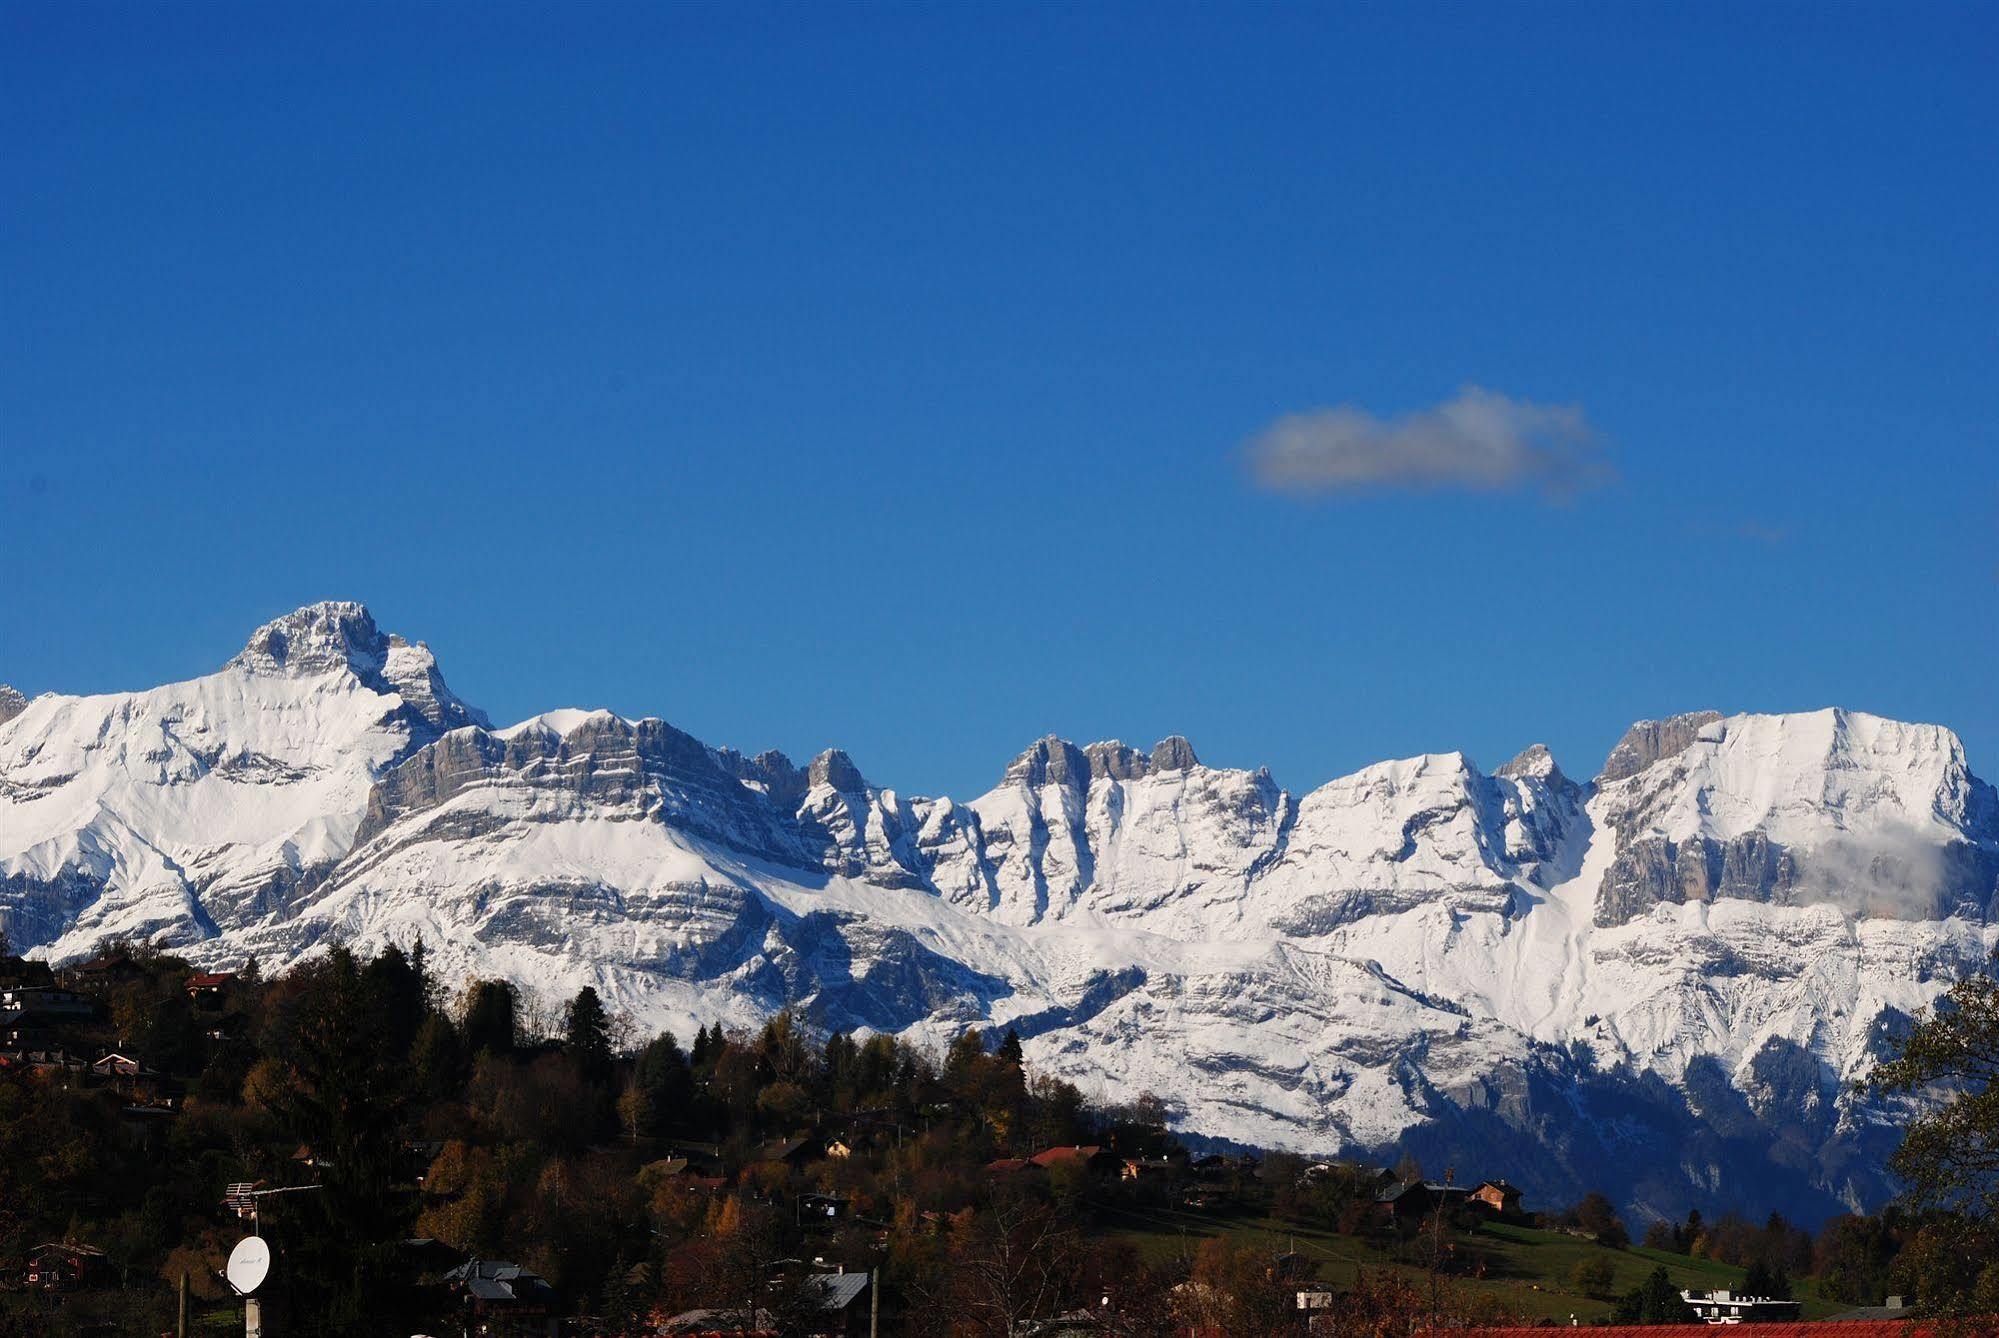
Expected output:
{"points": [[180, 1322], [874, 1302]]}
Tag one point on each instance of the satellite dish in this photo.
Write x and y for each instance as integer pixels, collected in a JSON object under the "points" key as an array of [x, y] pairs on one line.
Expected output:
{"points": [[249, 1264]]}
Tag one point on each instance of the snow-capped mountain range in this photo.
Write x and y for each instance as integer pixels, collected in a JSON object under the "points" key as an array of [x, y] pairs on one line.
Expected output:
{"points": [[1661, 982]]}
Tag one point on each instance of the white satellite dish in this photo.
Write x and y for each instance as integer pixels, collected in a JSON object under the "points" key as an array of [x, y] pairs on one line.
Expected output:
{"points": [[249, 1265]]}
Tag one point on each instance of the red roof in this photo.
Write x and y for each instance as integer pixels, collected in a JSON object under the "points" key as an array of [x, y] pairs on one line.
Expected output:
{"points": [[205, 980], [1851, 1328], [1055, 1156]]}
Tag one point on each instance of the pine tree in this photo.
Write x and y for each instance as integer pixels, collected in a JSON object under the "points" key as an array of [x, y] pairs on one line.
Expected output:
{"points": [[6, 944], [492, 1019], [587, 1036]]}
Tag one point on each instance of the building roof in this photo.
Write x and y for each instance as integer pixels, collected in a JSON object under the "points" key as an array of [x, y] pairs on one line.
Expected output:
{"points": [[210, 980], [780, 1149], [1783, 1329], [499, 1280], [1055, 1156], [729, 1322], [1396, 1191], [834, 1291]]}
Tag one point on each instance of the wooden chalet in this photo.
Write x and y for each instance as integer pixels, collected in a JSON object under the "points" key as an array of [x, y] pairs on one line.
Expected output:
{"points": [[1416, 1200], [64, 1266], [1091, 1157], [1498, 1197], [210, 989], [793, 1152], [503, 1297]]}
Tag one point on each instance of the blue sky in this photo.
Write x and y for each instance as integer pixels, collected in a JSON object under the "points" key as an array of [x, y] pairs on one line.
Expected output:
{"points": [[895, 377]]}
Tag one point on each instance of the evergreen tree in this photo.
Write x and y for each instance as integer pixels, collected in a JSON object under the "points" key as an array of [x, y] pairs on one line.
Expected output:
{"points": [[492, 1018], [437, 1058], [1655, 1301], [6, 944], [587, 1036], [665, 1086]]}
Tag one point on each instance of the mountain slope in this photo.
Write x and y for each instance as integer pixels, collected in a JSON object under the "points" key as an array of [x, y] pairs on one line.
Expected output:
{"points": [[1688, 959]]}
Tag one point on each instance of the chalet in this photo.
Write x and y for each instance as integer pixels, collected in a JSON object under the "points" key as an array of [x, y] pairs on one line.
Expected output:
{"points": [[56, 1060], [814, 1208], [416, 1157], [1725, 1307], [19, 1036], [1009, 1168], [1148, 1170], [836, 1304], [1497, 1197], [702, 1158], [131, 1079], [209, 988], [64, 1266], [103, 972], [839, 1149], [1415, 1200], [503, 1297], [1091, 1157], [44, 1002], [793, 1152]]}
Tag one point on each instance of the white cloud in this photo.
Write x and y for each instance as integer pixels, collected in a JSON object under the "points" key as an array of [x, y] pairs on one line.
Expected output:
{"points": [[1477, 440]]}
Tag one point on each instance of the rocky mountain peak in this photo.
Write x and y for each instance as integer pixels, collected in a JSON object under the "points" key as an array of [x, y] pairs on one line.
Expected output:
{"points": [[1650, 741], [1050, 761], [1174, 753], [1534, 762], [12, 703], [317, 639], [835, 769], [1114, 760]]}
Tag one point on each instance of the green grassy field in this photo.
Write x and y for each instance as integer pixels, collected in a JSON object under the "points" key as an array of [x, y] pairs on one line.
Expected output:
{"points": [[1527, 1268]]}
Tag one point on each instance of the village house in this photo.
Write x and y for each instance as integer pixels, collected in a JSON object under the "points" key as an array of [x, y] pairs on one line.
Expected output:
{"points": [[503, 1298], [1498, 1197], [1091, 1157], [1725, 1307], [1417, 1200], [1148, 1170], [817, 1208], [132, 1080], [1007, 1168], [209, 989], [44, 1002], [64, 1266], [103, 972], [837, 1304], [793, 1152]]}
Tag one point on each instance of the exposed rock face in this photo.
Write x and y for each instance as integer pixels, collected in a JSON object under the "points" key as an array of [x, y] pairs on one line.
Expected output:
{"points": [[12, 703], [1649, 741], [1664, 981]]}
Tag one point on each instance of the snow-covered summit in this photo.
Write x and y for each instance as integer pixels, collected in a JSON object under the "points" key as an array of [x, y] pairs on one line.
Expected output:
{"points": [[1699, 949]]}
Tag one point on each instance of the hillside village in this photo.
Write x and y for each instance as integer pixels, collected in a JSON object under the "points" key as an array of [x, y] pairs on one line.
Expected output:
{"points": [[463, 1169]]}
